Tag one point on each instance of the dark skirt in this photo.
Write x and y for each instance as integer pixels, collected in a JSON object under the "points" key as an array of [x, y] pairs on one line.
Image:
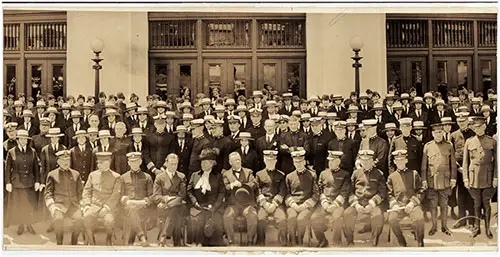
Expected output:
{"points": [[22, 206]]}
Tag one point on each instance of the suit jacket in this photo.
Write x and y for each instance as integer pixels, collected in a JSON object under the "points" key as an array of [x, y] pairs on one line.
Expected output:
{"points": [[435, 118], [82, 161], [194, 160], [291, 139], [284, 111], [48, 159], [22, 169], [342, 114], [39, 141], [250, 160], [261, 144], [423, 117], [245, 177], [317, 150], [491, 126], [160, 145], [348, 147], [64, 189], [226, 146], [70, 132], [213, 197], [170, 191], [184, 155], [32, 130]]}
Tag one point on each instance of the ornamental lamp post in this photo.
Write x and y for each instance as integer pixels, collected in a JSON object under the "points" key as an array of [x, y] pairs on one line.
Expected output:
{"points": [[97, 45], [356, 44]]}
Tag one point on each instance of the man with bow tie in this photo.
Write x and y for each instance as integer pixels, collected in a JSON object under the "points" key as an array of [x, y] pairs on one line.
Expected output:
{"points": [[271, 192], [63, 195], [137, 199], [302, 194], [239, 178]]}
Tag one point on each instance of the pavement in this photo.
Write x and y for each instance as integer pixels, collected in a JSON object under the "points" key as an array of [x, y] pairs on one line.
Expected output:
{"points": [[460, 240]]}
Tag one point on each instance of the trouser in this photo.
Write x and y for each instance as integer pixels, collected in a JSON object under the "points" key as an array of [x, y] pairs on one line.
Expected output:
{"points": [[198, 223], [460, 197], [297, 224], [482, 197], [58, 219], [416, 216], [320, 219], [90, 219], [279, 216], [376, 220], [233, 211], [438, 197], [172, 222]]}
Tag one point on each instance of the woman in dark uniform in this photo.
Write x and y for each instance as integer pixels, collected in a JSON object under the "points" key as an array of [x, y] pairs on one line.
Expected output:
{"points": [[206, 193], [121, 143]]}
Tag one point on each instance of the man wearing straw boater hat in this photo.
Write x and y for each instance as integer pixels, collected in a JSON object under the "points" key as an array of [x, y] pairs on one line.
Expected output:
{"points": [[131, 119], [62, 197], [144, 121], [182, 146], [22, 181], [81, 155], [405, 194], [302, 195], [480, 172], [439, 174], [137, 199], [76, 117], [335, 186], [110, 120], [249, 156], [28, 124], [418, 113], [271, 192], [159, 146], [100, 198]]}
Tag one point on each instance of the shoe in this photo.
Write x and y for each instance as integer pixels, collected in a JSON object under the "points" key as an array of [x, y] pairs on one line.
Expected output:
{"points": [[162, 242], [364, 229], [432, 231], [323, 243], [50, 228], [458, 225], [420, 244], [446, 230], [453, 215], [476, 231], [31, 229], [20, 230], [74, 238]]}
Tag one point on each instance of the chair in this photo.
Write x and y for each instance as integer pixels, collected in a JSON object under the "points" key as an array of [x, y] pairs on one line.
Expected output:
{"points": [[240, 226]]}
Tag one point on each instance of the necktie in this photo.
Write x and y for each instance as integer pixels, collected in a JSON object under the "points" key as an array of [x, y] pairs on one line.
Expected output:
{"points": [[269, 139], [418, 113], [137, 147], [54, 147], [181, 144], [23, 149], [82, 148]]}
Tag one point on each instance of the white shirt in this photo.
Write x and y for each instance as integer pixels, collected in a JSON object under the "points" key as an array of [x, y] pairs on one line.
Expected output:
{"points": [[244, 150], [82, 148]]}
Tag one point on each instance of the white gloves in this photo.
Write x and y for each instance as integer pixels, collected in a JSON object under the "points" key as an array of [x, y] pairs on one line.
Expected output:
{"points": [[8, 187]]}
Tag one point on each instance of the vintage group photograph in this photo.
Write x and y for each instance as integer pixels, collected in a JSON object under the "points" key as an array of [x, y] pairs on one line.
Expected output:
{"points": [[250, 130]]}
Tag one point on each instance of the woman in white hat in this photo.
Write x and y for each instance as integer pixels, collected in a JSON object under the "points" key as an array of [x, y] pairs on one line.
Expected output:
{"points": [[22, 181]]}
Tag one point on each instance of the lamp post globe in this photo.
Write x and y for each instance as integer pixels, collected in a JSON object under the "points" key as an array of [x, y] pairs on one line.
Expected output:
{"points": [[97, 45], [356, 43]]}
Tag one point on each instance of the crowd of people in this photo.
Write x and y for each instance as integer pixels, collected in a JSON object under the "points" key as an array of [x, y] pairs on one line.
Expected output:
{"points": [[199, 169]]}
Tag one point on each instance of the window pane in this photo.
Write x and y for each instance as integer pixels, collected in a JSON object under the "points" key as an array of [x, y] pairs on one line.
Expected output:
{"points": [[10, 79], [222, 33], [36, 80], [239, 74], [214, 80], [486, 71], [282, 33], [46, 36], [442, 72], [58, 80], [185, 81], [293, 71], [172, 34], [161, 80], [270, 74], [394, 75], [462, 74]]}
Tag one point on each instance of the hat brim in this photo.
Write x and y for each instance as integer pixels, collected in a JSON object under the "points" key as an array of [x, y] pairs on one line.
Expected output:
{"points": [[136, 134], [447, 123], [417, 128], [249, 138], [185, 131], [353, 111], [31, 116], [244, 195], [57, 135], [387, 129], [27, 137], [107, 114], [79, 116], [85, 135]]}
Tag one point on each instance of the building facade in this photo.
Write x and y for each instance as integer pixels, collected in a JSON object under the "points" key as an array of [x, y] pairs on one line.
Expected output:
{"points": [[228, 53]]}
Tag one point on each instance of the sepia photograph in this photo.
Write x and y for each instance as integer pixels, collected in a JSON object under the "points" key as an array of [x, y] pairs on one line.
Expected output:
{"points": [[250, 129]]}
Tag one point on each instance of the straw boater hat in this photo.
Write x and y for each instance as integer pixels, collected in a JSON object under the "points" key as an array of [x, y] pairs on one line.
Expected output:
{"points": [[80, 133], [110, 106], [75, 114], [181, 128], [440, 102], [22, 134], [18, 103], [493, 98], [337, 97], [219, 108], [363, 95], [230, 101], [255, 111], [476, 100], [197, 123], [245, 135], [169, 114], [51, 110], [313, 99], [65, 106], [378, 106], [186, 104], [27, 113], [287, 95], [257, 93], [390, 97], [447, 121], [454, 99], [405, 96], [54, 132], [284, 118], [390, 126], [137, 132], [271, 103], [352, 108], [417, 99], [233, 118], [87, 105], [369, 123], [104, 134], [161, 104], [142, 110], [241, 108], [331, 115], [351, 122], [130, 106], [11, 125], [305, 116], [205, 101], [296, 113], [92, 131], [40, 104], [111, 112], [428, 95], [397, 106], [418, 124], [187, 116]]}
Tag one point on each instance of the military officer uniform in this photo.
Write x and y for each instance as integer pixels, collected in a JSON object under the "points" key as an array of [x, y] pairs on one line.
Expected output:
{"points": [[376, 144], [405, 193], [480, 171], [290, 139], [199, 143], [302, 196], [100, 199], [345, 145], [335, 186], [369, 191], [236, 208], [439, 174], [411, 145], [317, 148], [271, 192], [160, 145], [40, 140], [63, 193]]}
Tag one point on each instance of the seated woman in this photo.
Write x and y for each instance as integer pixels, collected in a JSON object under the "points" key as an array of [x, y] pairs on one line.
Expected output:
{"points": [[206, 192]]}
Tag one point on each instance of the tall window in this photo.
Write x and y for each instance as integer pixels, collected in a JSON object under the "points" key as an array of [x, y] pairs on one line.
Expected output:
{"points": [[282, 33], [172, 34], [227, 33]]}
